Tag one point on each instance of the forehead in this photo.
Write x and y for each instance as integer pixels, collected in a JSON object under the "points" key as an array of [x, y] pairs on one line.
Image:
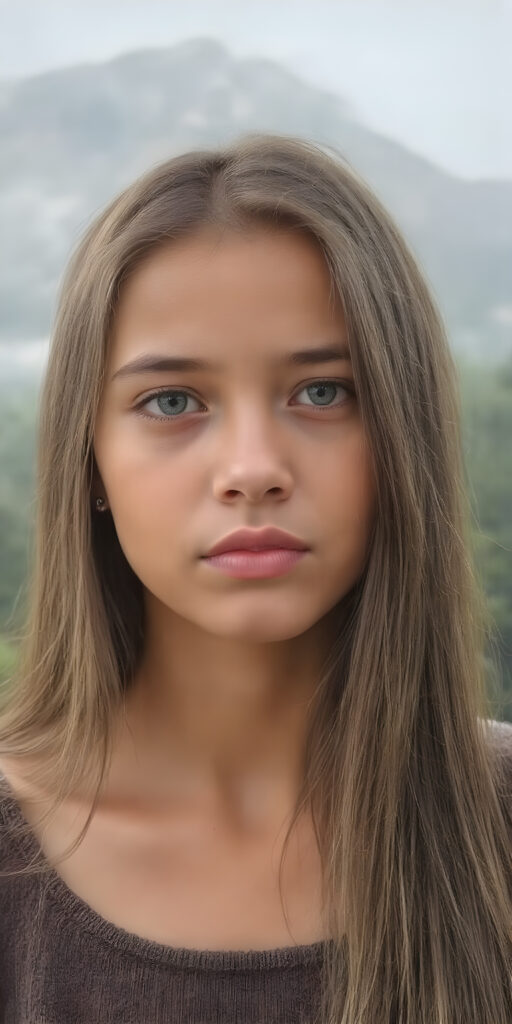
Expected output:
{"points": [[261, 287], [258, 261]]}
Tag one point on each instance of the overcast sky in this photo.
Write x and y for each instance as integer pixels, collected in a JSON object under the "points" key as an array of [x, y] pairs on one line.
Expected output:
{"points": [[433, 74]]}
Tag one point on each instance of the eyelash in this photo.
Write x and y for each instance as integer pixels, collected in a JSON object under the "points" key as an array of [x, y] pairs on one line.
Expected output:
{"points": [[347, 386]]}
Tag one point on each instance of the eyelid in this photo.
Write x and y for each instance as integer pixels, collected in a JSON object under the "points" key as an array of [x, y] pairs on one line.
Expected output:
{"points": [[348, 385]]}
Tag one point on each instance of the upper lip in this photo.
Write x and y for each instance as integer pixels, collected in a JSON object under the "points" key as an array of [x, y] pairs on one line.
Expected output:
{"points": [[269, 537]]}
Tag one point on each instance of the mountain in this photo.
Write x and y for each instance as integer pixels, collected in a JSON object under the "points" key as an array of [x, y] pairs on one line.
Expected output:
{"points": [[72, 138]]}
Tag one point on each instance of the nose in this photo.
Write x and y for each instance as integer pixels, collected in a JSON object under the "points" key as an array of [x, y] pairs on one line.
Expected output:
{"points": [[253, 464], [255, 480]]}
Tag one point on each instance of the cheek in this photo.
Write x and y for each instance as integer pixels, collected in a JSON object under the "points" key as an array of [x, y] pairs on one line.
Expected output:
{"points": [[154, 509], [350, 480], [150, 506], [351, 504], [145, 476]]}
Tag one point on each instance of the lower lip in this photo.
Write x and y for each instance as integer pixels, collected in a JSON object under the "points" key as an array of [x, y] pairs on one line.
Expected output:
{"points": [[254, 565]]}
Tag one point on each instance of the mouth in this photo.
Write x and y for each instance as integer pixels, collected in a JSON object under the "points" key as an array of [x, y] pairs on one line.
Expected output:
{"points": [[266, 539], [251, 551], [261, 563]]}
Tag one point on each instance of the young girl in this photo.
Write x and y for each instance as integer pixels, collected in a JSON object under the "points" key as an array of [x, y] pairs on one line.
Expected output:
{"points": [[250, 772]]}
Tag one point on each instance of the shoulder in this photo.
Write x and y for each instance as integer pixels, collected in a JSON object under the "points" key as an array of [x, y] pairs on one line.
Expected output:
{"points": [[6, 792], [8, 796], [14, 788], [8, 815], [9, 781]]}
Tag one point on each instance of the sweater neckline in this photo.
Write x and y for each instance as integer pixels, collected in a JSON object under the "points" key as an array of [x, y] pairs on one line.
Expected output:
{"points": [[72, 906]]}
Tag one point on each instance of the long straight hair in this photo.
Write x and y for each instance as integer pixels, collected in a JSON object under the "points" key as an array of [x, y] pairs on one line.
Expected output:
{"points": [[400, 773]]}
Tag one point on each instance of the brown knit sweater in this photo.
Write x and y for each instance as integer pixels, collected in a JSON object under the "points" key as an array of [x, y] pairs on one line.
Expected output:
{"points": [[62, 963]]}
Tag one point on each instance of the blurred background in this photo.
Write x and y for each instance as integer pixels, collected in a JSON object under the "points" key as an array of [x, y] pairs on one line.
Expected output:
{"points": [[415, 95]]}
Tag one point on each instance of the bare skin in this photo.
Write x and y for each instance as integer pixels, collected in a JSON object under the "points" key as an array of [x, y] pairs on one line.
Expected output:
{"points": [[184, 847]]}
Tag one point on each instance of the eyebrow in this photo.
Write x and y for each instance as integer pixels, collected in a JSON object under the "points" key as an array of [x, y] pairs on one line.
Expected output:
{"points": [[186, 364]]}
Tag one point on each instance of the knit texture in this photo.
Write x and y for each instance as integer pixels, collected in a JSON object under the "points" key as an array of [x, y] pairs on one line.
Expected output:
{"points": [[62, 963]]}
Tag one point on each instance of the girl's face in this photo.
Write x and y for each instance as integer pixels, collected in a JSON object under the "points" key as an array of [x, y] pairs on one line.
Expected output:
{"points": [[252, 439]]}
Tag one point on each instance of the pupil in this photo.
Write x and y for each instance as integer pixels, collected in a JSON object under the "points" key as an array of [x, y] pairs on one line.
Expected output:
{"points": [[321, 390], [171, 401]]}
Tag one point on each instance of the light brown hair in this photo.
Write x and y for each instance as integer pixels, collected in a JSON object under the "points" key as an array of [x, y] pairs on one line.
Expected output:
{"points": [[399, 772]]}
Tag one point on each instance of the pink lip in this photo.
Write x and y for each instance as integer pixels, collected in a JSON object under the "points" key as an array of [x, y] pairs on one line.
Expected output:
{"points": [[268, 537], [256, 564]]}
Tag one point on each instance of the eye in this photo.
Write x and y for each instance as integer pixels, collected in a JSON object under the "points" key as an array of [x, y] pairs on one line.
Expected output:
{"points": [[173, 401], [170, 401], [325, 389]]}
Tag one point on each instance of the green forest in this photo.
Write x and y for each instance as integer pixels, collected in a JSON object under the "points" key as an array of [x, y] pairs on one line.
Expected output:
{"points": [[486, 395]]}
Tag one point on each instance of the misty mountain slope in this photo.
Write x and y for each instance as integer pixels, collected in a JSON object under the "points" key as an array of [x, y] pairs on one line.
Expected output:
{"points": [[72, 138]]}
